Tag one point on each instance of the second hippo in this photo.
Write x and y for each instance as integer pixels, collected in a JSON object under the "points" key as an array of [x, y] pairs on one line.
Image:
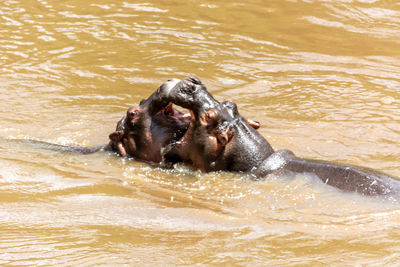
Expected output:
{"points": [[218, 138]]}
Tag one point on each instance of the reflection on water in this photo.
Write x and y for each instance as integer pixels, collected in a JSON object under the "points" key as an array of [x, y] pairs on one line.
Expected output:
{"points": [[322, 77]]}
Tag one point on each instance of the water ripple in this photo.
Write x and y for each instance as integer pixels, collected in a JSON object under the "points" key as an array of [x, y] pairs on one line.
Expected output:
{"points": [[322, 77]]}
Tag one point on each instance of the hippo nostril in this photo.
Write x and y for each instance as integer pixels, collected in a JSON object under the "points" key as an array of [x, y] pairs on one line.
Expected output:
{"points": [[225, 135]]}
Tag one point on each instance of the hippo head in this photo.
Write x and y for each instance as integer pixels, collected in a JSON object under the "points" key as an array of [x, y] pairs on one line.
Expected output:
{"points": [[147, 128], [212, 136], [217, 138]]}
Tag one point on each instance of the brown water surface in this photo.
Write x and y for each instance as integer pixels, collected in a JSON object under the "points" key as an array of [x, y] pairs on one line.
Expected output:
{"points": [[322, 77]]}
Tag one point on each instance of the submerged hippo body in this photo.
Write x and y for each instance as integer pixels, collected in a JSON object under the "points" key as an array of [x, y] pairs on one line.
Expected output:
{"points": [[142, 133], [218, 138], [215, 137]]}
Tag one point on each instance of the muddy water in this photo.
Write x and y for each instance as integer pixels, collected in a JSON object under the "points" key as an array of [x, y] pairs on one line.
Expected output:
{"points": [[323, 78]]}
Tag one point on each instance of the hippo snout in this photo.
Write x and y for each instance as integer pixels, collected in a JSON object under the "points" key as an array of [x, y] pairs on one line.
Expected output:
{"points": [[165, 89]]}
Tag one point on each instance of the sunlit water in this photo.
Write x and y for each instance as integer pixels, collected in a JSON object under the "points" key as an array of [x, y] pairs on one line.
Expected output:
{"points": [[322, 77]]}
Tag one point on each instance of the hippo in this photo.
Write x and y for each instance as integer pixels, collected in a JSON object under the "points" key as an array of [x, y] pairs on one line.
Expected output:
{"points": [[218, 138], [151, 127], [215, 137], [141, 134]]}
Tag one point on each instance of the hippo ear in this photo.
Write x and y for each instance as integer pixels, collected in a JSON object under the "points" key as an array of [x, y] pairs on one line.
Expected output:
{"points": [[116, 135], [254, 124]]}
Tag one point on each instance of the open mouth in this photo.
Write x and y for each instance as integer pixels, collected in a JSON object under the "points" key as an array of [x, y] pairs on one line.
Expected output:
{"points": [[176, 117], [176, 123], [173, 114]]}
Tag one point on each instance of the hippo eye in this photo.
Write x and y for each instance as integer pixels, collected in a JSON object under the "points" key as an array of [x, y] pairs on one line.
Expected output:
{"points": [[132, 113]]}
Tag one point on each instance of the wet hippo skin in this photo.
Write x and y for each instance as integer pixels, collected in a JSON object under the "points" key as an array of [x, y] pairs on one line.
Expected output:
{"points": [[218, 138], [146, 129]]}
